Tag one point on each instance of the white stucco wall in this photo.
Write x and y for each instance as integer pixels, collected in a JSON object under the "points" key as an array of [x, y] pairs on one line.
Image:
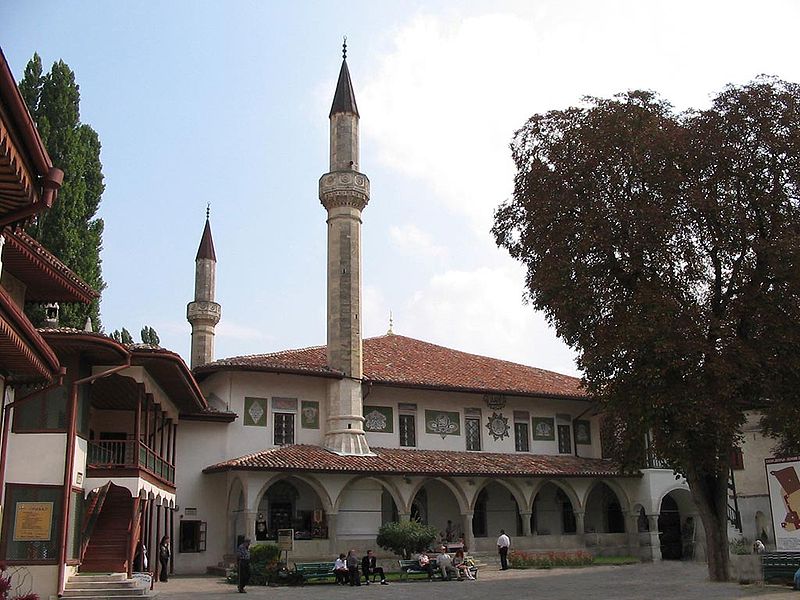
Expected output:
{"points": [[752, 480], [36, 458], [200, 444], [360, 516]]}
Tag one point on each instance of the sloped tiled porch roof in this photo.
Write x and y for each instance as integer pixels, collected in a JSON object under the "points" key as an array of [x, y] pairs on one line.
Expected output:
{"points": [[402, 461]]}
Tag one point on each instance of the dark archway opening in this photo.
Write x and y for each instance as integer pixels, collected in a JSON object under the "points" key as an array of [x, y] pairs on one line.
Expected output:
{"points": [[669, 526]]}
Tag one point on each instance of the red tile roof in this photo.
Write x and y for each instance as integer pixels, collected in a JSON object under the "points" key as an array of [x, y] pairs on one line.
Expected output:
{"points": [[406, 362], [313, 459]]}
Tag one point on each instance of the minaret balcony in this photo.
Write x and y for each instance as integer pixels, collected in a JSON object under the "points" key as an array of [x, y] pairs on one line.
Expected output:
{"points": [[344, 188], [203, 311]]}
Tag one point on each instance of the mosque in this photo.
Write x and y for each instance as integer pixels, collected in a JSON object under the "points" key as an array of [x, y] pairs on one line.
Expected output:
{"points": [[131, 444], [333, 441]]}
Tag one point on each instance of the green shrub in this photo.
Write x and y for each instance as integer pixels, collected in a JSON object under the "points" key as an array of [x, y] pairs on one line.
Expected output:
{"points": [[740, 546], [406, 537], [264, 562], [547, 560]]}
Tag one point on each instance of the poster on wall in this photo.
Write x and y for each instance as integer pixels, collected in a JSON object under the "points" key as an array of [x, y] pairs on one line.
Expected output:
{"points": [[583, 432], [309, 414], [33, 521], [255, 412], [544, 428], [443, 423], [784, 498], [378, 419]]}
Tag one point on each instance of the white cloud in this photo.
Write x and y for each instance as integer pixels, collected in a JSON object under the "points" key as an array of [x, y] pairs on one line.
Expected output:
{"points": [[228, 331], [480, 311], [445, 102], [411, 240]]}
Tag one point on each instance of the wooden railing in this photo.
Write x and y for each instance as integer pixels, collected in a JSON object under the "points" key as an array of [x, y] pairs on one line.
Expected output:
{"points": [[98, 498], [129, 454]]}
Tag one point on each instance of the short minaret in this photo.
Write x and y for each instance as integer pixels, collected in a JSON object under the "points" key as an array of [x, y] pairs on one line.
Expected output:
{"points": [[344, 192], [204, 313]]}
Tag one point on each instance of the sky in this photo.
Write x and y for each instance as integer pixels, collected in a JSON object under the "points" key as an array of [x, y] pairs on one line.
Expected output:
{"points": [[227, 103]]}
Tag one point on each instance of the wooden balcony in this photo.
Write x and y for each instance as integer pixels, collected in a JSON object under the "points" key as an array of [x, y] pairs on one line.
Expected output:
{"points": [[128, 459]]}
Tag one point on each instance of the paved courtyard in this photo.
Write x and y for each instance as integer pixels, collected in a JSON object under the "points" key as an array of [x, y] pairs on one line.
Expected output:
{"points": [[666, 580]]}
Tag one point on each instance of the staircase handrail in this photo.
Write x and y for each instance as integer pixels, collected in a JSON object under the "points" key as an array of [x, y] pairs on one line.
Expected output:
{"points": [[91, 517]]}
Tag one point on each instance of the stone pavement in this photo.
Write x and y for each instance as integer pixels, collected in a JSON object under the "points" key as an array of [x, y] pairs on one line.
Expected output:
{"points": [[651, 581]]}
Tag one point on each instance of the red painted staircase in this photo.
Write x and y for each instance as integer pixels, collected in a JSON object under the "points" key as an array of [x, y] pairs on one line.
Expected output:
{"points": [[107, 549]]}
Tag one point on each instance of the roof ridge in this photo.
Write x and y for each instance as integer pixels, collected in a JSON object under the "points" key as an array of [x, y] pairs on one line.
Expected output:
{"points": [[267, 354], [462, 352]]}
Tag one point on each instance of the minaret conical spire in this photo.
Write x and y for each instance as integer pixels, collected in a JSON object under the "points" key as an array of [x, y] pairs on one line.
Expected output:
{"points": [[206, 249], [344, 99]]}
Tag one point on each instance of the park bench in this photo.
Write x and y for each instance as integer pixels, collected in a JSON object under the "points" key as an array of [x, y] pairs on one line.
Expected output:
{"points": [[411, 567], [309, 571], [780, 565]]}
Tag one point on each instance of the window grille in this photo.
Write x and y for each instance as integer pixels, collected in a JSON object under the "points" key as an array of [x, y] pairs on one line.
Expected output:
{"points": [[473, 432], [284, 429], [564, 440], [408, 433], [521, 443]]}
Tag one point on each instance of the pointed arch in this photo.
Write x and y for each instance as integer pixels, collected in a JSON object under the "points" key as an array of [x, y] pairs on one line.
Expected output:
{"points": [[319, 489], [385, 483], [563, 486], [518, 495], [458, 492], [622, 496]]}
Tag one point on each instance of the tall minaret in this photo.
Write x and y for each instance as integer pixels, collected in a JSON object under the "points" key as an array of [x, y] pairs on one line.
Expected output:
{"points": [[204, 313], [344, 192]]}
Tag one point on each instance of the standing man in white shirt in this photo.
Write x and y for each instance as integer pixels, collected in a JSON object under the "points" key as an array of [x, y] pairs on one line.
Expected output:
{"points": [[503, 542]]}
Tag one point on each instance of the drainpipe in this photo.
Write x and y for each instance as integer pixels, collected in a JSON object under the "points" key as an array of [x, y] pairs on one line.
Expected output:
{"points": [[575, 437], [7, 422], [69, 462]]}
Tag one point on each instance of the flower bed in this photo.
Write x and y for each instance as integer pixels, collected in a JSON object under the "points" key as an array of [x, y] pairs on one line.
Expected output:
{"points": [[547, 560]]}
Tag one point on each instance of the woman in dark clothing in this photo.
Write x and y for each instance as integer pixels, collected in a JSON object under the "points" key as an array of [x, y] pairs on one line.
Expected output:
{"points": [[163, 558], [352, 568]]}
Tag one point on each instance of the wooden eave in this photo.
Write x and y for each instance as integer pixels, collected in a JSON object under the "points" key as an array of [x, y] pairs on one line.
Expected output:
{"points": [[24, 162], [25, 357], [171, 373], [210, 416], [46, 278], [96, 348]]}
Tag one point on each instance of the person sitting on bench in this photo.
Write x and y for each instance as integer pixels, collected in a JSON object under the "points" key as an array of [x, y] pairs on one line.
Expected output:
{"points": [[445, 563], [368, 567], [340, 570], [425, 565]]}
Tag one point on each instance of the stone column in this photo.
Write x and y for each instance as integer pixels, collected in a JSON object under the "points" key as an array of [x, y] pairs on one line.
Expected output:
{"points": [[580, 534], [405, 517], [250, 517], [333, 544], [654, 546], [466, 524], [632, 531], [526, 523]]}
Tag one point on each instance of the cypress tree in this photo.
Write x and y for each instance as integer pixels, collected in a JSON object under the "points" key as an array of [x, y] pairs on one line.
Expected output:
{"points": [[70, 229]]}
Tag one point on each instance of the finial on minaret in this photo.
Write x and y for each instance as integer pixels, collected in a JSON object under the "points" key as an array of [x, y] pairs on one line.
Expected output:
{"points": [[344, 48], [208, 211], [391, 324]]}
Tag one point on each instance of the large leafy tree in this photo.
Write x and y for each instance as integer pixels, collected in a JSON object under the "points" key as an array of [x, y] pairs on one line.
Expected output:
{"points": [[70, 229], [665, 248]]}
